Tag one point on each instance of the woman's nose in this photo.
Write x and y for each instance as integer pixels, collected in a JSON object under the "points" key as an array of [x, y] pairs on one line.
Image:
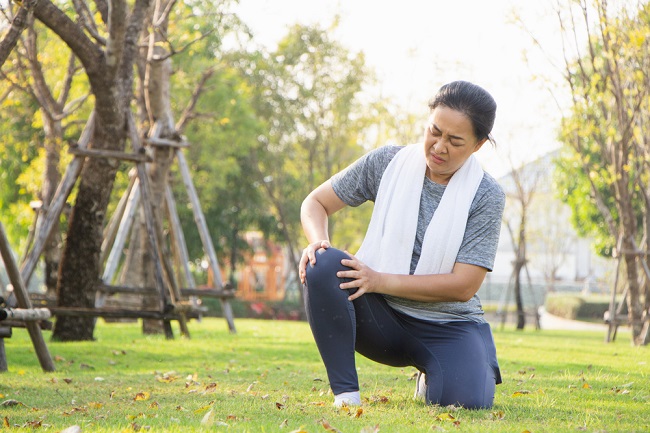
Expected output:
{"points": [[439, 146]]}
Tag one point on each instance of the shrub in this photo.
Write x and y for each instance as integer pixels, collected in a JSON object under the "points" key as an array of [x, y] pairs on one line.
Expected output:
{"points": [[576, 306]]}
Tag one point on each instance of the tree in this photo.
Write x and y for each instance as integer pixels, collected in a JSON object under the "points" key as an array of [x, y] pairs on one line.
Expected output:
{"points": [[606, 136], [521, 189], [107, 55], [306, 95]]}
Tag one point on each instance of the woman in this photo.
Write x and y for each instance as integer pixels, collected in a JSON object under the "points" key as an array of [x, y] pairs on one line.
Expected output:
{"points": [[408, 297]]}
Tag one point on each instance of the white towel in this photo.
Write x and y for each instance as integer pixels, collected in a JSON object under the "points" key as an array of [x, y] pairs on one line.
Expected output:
{"points": [[388, 245]]}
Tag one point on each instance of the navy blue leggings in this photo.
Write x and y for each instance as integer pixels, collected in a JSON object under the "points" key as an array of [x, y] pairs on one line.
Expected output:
{"points": [[458, 358]]}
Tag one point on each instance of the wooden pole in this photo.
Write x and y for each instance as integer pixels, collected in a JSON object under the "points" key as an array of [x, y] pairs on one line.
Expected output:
{"points": [[208, 247], [5, 332], [57, 203], [126, 222], [23, 302], [179, 239], [114, 224], [24, 314], [150, 223]]}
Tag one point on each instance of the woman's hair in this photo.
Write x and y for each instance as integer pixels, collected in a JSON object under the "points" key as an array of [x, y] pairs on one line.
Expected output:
{"points": [[471, 100]]}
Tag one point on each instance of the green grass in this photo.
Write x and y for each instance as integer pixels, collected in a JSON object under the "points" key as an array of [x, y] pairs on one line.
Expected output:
{"points": [[269, 378]]}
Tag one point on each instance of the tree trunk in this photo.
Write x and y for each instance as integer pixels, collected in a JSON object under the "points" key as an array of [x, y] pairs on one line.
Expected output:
{"points": [[51, 179], [109, 69], [80, 262]]}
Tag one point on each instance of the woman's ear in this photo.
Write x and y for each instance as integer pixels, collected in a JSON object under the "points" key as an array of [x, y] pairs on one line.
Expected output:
{"points": [[479, 144]]}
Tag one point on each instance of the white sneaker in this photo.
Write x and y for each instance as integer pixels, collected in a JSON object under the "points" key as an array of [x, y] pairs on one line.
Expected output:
{"points": [[348, 399], [420, 387]]}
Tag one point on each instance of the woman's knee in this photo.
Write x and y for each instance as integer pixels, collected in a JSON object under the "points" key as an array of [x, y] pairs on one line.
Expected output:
{"points": [[328, 263]]}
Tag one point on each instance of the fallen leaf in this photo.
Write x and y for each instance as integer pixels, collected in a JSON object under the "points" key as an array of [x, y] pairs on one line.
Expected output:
{"points": [[211, 387], [154, 405], [5, 422], [327, 426], [359, 412], [59, 358], [284, 423], [95, 405], [445, 417], [300, 430], [141, 396], [11, 403], [208, 418], [586, 386], [67, 380], [280, 406], [203, 409], [520, 393], [370, 429]]}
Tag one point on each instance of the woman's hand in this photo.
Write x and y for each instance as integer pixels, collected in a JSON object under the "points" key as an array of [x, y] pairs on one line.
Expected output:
{"points": [[366, 280], [309, 256]]}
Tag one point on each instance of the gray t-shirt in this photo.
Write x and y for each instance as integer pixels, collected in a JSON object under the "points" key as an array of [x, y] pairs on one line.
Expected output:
{"points": [[359, 183]]}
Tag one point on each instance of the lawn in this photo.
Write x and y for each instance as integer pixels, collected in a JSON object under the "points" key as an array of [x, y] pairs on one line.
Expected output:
{"points": [[268, 378]]}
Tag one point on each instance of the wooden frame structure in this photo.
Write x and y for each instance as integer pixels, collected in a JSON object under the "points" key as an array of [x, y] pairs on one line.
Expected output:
{"points": [[22, 297], [614, 316], [138, 194]]}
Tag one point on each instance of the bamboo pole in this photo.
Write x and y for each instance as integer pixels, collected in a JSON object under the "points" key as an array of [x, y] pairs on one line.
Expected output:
{"points": [[208, 247], [23, 302], [57, 203], [150, 222], [115, 222], [179, 239], [25, 314], [120, 238]]}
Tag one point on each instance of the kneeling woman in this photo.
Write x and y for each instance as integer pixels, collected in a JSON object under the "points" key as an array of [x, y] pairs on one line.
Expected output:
{"points": [[408, 297]]}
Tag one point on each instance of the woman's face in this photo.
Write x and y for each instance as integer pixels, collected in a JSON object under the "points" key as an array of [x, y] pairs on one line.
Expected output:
{"points": [[449, 141]]}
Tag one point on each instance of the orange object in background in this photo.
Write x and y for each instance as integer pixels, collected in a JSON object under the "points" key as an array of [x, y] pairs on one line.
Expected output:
{"points": [[262, 275]]}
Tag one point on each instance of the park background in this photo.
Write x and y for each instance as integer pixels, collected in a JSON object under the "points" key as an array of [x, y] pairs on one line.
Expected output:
{"points": [[239, 109], [266, 100]]}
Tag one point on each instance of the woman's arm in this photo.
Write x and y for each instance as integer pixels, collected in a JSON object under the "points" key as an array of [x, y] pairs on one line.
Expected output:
{"points": [[314, 212], [460, 285]]}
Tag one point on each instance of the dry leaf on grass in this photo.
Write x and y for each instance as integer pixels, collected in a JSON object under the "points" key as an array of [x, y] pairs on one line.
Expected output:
{"points": [[327, 426], [141, 396]]}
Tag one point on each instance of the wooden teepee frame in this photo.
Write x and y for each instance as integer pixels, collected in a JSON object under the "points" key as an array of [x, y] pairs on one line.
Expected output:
{"points": [[22, 298], [139, 192], [614, 316]]}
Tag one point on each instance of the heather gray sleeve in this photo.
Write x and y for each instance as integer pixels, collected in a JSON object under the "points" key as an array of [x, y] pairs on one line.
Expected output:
{"points": [[359, 182], [481, 238]]}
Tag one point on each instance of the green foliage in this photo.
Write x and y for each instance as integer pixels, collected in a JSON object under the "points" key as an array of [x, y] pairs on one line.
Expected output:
{"points": [[575, 306], [605, 155], [269, 378]]}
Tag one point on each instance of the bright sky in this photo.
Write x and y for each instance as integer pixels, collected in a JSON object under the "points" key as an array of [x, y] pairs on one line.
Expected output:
{"points": [[415, 46]]}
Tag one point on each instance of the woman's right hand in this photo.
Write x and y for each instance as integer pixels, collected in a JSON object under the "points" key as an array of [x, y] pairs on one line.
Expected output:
{"points": [[309, 256]]}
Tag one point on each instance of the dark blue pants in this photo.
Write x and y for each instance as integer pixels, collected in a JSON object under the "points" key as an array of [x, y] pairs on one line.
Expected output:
{"points": [[458, 358]]}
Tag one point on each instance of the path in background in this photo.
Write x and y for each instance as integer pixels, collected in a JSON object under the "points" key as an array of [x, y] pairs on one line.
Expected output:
{"points": [[548, 322]]}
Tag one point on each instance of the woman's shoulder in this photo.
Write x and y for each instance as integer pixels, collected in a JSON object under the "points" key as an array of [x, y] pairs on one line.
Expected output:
{"points": [[490, 184], [489, 190]]}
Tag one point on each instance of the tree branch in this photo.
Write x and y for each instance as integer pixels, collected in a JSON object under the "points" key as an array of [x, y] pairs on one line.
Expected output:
{"points": [[90, 55], [18, 24], [188, 112]]}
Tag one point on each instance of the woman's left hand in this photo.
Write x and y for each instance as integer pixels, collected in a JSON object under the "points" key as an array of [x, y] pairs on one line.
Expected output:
{"points": [[366, 280]]}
